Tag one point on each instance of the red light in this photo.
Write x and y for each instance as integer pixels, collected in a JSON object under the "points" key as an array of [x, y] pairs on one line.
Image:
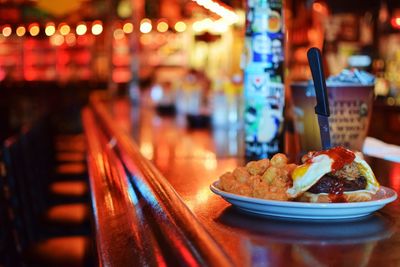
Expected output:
{"points": [[395, 22], [394, 177], [121, 75]]}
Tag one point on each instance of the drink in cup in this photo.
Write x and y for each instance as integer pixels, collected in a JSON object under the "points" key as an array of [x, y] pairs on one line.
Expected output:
{"points": [[350, 103]]}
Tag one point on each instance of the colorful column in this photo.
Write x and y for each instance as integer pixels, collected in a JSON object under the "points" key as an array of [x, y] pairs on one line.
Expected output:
{"points": [[264, 94]]}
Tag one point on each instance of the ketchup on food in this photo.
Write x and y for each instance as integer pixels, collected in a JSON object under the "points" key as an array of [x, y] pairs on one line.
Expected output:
{"points": [[340, 157]]}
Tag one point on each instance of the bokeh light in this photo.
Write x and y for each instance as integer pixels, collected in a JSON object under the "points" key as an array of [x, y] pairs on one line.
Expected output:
{"points": [[180, 26], [81, 29], [97, 27], [6, 31], [162, 26], [128, 27], [57, 39], [70, 39], [65, 29], [50, 29], [145, 26], [21, 31], [34, 29], [119, 34]]}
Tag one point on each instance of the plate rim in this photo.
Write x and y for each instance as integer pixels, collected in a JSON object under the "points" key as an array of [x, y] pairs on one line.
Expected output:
{"points": [[294, 204]]}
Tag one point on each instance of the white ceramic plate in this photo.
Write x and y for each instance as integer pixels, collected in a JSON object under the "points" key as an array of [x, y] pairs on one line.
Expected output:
{"points": [[303, 210]]}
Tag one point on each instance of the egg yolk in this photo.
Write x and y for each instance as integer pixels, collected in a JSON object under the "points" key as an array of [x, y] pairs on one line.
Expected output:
{"points": [[300, 171]]}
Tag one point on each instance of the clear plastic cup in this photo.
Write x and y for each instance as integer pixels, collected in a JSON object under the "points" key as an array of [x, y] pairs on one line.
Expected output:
{"points": [[350, 106]]}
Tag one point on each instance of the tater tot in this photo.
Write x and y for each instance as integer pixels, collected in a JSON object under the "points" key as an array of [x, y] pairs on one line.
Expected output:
{"points": [[283, 174], [241, 174], [242, 189], [261, 191], [265, 178], [227, 182], [271, 174], [282, 182], [254, 181], [279, 160], [257, 167], [264, 164], [252, 168]]}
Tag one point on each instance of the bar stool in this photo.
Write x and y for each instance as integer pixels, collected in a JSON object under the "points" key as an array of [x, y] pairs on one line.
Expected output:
{"points": [[46, 195], [37, 146], [31, 246]]}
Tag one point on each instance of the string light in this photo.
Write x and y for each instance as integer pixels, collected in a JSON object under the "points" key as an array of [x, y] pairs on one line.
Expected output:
{"points": [[81, 29], [50, 29], [128, 27], [34, 29], [145, 26], [180, 26], [6, 31], [97, 27], [20, 31], [162, 26], [64, 29]]}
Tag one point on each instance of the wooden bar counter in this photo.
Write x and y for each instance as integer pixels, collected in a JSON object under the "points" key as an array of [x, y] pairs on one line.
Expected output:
{"points": [[150, 177]]}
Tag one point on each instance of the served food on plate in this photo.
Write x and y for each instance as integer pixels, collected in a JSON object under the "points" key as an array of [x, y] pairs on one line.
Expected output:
{"points": [[333, 175], [266, 179]]}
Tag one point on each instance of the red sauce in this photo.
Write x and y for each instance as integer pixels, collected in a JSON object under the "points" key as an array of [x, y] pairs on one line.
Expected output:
{"points": [[336, 193], [339, 155]]}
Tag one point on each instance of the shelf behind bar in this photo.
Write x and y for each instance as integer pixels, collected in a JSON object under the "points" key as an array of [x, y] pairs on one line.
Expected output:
{"points": [[185, 241]]}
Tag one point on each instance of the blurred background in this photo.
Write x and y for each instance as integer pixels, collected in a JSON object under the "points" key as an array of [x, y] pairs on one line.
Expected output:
{"points": [[53, 53]]}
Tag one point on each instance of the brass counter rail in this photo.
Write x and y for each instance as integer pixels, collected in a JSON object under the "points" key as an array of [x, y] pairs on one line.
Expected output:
{"points": [[140, 219]]}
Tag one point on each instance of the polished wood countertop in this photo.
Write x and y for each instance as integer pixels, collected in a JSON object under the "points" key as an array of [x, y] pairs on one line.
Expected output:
{"points": [[191, 159]]}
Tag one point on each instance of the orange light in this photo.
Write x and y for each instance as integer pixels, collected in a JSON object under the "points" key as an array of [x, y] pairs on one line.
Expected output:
{"points": [[145, 26], [21, 31], [97, 27], [162, 26], [57, 39], [119, 34], [128, 27], [81, 29], [70, 39], [180, 26], [64, 29], [319, 7], [6, 31], [34, 29], [50, 29]]}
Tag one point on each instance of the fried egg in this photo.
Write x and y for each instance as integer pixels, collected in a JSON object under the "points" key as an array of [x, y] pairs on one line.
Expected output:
{"points": [[306, 175], [366, 171]]}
